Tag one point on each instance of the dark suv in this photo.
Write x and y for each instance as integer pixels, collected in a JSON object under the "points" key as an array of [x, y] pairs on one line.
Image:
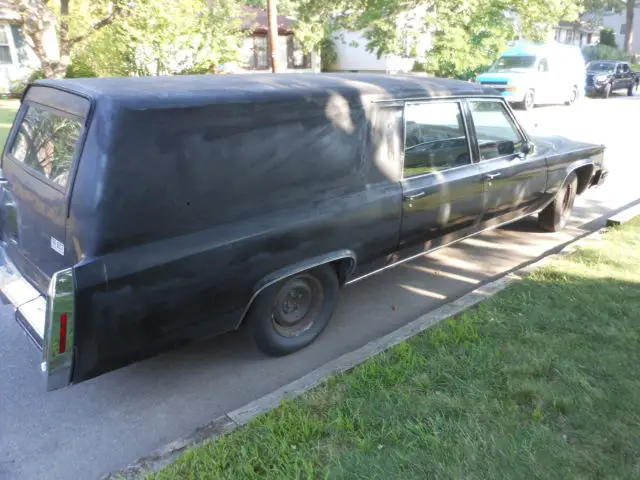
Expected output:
{"points": [[604, 77]]}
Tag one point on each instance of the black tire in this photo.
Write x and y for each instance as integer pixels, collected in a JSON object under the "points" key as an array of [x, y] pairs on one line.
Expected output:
{"points": [[573, 98], [556, 215], [529, 101], [276, 334], [632, 89], [607, 91]]}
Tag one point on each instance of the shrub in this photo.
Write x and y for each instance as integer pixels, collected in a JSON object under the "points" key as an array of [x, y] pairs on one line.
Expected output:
{"points": [[608, 37], [605, 52]]}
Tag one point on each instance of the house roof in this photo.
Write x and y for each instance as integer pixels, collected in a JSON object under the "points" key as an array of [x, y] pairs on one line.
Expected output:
{"points": [[8, 11], [257, 20]]}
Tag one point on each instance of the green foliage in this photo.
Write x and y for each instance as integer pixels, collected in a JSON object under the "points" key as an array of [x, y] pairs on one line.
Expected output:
{"points": [[469, 34], [168, 37], [608, 37], [605, 52]]}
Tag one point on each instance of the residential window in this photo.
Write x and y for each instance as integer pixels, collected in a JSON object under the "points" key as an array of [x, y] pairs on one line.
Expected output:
{"points": [[435, 138], [623, 29], [496, 133], [261, 53], [46, 142], [5, 49], [569, 38]]}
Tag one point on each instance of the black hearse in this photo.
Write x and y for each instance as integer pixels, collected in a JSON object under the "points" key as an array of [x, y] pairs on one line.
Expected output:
{"points": [[142, 213]]}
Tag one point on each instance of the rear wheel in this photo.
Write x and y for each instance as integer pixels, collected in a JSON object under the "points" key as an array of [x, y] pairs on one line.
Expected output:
{"points": [[292, 313], [556, 215], [632, 89], [607, 91], [573, 97], [529, 101]]}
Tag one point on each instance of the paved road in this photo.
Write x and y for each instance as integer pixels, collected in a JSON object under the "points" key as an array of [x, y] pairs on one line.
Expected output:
{"points": [[104, 424]]}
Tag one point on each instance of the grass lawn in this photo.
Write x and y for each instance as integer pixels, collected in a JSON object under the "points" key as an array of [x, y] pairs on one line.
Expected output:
{"points": [[8, 109], [541, 381]]}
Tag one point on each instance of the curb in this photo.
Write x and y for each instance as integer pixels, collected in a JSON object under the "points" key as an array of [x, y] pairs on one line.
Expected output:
{"points": [[223, 424], [624, 216]]}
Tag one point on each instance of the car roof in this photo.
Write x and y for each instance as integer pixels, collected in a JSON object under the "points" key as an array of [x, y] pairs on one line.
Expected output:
{"points": [[201, 89]]}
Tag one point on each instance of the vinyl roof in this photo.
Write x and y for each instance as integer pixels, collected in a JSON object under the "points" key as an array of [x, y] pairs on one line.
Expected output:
{"points": [[200, 89]]}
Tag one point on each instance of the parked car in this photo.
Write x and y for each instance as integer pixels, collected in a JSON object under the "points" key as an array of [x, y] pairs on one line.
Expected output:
{"points": [[535, 74], [604, 77], [139, 214]]}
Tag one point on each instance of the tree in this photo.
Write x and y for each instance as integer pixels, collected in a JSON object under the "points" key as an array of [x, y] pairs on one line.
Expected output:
{"points": [[467, 34], [181, 36], [619, 6], [72, 28]]}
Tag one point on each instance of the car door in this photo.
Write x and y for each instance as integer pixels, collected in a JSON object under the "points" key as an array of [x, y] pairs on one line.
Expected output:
{"points": [[626, 75], [545, 86], [514, 182], [442, 186], [619, 81]]}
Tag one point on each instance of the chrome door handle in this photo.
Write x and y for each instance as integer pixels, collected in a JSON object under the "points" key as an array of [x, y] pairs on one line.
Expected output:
{"points": [[491, 176], [415, 196]]}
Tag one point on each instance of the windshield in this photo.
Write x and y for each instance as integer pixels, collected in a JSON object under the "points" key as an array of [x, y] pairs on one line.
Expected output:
{"points": [[513, 63], [600, 67]]}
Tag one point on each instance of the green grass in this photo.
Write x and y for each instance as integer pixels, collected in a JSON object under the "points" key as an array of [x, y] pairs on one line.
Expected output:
{"points": [[541, 381], [8, 109]]}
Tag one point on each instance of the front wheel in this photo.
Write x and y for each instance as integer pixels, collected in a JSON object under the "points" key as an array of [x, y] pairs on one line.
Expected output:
{"points": [[556, 215], [292, 313], [607, 91]]}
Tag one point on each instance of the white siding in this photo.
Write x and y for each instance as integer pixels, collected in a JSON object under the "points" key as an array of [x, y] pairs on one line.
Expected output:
{"points": [[616, 20]]}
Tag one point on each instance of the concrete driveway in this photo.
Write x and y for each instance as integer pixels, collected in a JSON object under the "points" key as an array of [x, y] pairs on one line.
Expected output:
{"points": [[102, 425]]}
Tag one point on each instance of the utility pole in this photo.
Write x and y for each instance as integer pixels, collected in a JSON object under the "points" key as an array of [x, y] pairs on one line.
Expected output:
{"points": [[273, 33]]}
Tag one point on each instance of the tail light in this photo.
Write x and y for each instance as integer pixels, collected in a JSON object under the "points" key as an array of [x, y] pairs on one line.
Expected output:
{"points": [[59, 330]]}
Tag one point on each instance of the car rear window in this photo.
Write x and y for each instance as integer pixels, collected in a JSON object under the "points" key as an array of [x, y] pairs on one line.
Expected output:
{"points": [[46, 142]]}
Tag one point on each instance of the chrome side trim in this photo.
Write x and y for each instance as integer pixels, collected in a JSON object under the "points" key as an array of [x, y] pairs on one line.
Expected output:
{"points": [[431, 250], [57, 361]]}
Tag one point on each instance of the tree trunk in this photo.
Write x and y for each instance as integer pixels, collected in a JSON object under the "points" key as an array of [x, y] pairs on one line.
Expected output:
{"points": [[273, 34], [628, 35]]}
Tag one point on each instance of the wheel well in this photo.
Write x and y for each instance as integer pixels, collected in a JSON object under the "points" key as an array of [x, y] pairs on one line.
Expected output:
{"points": [[584, 175], [343, 267]]}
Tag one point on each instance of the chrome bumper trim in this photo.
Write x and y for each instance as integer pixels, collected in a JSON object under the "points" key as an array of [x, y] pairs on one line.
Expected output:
{"points": [[29, 304]]}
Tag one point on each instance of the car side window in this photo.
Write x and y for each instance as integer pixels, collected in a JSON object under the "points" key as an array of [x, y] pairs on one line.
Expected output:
{"points": [[625, 68], [619, 69], [435, 138], [496, 132]]}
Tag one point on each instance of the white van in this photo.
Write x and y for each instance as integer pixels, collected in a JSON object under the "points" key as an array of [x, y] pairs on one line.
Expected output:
{"points": [[533, 74]]}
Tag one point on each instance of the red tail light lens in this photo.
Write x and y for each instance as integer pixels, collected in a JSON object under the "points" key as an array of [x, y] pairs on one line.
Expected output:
{"points": [[63, 333]]}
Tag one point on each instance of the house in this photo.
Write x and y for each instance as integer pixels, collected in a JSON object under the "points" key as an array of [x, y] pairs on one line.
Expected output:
{"points": [[255, 53], [582, 32], [618, 22], [17, 59], [352, 55]]}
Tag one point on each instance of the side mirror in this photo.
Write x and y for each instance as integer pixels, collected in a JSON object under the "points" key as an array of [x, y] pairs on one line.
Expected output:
{"points": [[528, 147], [506, 148]]}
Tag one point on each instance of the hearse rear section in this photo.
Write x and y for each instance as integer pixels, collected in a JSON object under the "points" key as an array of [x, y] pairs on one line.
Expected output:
{"points": [[37, 258]]}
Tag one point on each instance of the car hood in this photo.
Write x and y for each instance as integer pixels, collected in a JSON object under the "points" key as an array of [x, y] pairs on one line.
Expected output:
{"points": [[500, 77], [553, 145]]}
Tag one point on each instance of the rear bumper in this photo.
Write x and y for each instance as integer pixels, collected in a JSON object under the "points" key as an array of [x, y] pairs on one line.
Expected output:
{"points": [[47, 319], [29, 304]]}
